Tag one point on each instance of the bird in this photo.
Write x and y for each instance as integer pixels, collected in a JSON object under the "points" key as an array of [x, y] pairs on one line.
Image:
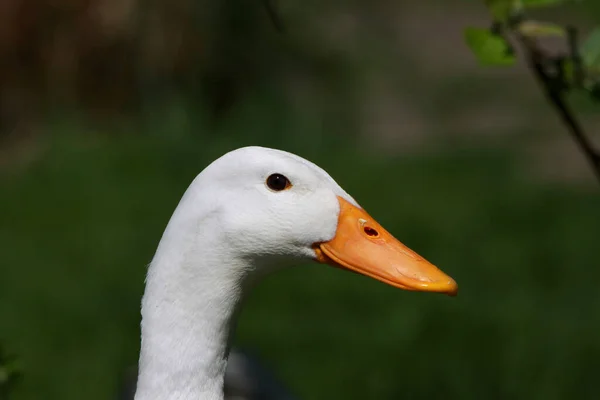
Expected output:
{"points": [[249, 213]]}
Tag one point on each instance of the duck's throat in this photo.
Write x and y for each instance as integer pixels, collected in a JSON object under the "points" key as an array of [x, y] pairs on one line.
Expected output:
{"points": [[187, 314]]}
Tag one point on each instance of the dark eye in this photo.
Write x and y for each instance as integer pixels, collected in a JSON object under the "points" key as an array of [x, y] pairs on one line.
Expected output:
{"points": [[278, 182]]}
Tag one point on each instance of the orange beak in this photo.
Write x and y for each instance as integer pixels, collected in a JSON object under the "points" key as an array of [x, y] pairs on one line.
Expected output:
{"points": [[362, 245]]}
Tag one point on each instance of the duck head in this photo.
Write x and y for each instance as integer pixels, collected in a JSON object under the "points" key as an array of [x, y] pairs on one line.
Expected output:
{"points": [[268, 203]]}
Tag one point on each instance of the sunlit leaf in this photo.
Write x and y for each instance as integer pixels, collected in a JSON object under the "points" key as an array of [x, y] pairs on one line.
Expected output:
{"points": [[489, 48], [541, 29]]}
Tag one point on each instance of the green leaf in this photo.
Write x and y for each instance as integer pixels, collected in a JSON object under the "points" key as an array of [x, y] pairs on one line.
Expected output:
{"points": [[590, 80], [590, 51], [489, 48], [540, 29]]}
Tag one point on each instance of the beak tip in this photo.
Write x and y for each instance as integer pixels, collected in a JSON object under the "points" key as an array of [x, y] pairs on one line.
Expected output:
{"points": [[452, 288]]}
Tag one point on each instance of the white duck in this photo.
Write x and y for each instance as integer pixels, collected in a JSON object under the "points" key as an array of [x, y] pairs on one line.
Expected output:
{"points": [[251, 211]]}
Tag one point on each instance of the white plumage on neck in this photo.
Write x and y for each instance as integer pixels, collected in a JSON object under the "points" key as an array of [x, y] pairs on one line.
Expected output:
{"points": [[191, 295]]}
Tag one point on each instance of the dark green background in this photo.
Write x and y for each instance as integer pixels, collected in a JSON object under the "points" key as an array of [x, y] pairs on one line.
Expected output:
{"points": [[81, 220]]}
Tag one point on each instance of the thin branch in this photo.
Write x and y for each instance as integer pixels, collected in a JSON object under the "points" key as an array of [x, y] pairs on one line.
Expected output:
{"points": [[554, 90]]}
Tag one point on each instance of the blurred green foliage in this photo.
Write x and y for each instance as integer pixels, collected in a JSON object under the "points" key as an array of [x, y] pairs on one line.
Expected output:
{"points": [[492, 46], [80, 225]]}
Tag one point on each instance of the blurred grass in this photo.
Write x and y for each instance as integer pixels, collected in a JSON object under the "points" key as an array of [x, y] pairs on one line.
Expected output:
{"points": [[79, 226]]}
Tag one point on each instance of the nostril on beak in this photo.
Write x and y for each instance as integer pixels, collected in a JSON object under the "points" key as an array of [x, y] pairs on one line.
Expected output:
{"points": [[371, 232]]}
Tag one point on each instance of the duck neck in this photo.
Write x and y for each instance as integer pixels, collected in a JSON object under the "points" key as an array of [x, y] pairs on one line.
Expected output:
{"points": [[189, 303]]}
